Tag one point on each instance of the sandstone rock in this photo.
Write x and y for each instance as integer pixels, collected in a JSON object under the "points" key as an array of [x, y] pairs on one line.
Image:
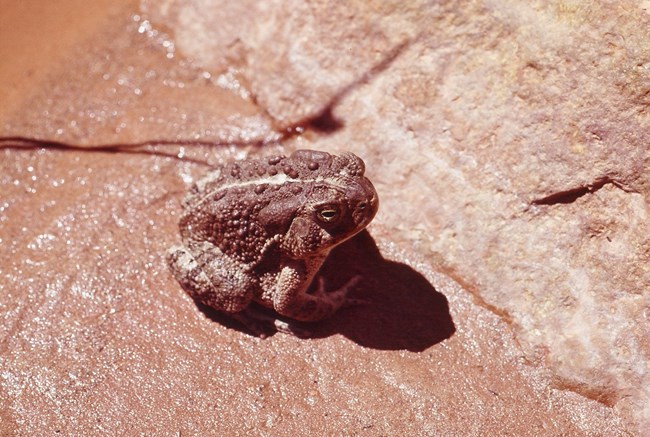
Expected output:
{"points": [[507, 269], [529, 126]]}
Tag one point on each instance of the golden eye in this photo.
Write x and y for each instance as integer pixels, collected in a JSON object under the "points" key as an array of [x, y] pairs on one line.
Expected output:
{"points": [[328, 214]]}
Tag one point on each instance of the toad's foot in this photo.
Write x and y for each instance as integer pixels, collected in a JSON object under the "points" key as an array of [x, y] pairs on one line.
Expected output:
{"points": [[339, 297], [295, 301]]}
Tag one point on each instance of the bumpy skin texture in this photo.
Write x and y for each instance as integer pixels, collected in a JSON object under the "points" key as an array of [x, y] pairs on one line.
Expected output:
{"points": [[260, 229]]}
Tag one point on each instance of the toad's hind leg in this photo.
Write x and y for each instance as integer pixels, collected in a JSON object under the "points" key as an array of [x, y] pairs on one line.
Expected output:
{"points": [[211, 278]]}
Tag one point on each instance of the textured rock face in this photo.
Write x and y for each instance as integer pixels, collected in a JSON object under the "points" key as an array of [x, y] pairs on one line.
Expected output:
{"points": [[508, 142], [519, 135]]}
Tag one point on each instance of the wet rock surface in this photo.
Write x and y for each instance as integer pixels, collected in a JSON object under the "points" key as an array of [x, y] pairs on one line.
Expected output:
{"points": [[506, 273]]}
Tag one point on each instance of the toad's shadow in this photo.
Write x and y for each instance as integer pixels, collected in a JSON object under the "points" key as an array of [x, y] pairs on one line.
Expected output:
{"points": [[403, 310]]}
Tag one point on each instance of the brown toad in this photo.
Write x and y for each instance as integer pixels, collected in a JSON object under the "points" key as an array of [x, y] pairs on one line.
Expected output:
{"points": [[260, 229]]}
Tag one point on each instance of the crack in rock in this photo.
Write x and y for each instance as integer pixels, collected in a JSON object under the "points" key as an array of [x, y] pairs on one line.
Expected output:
{"points": [[573, 194]]}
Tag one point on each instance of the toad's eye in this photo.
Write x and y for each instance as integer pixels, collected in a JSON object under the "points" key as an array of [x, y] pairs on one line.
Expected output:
{"points": [[328, 214]]}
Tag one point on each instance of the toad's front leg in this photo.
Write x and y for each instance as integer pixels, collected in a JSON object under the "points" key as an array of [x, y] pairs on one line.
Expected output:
{"points": [[291, 299]]}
